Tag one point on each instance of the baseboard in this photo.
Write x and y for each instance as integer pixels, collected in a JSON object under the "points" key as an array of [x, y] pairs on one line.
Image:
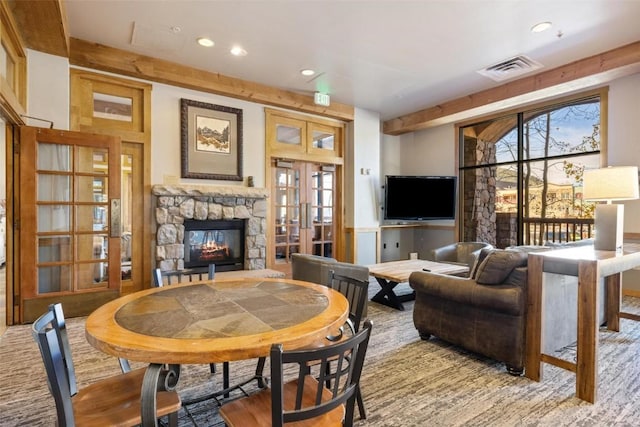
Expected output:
{"points": [[630, 292]]}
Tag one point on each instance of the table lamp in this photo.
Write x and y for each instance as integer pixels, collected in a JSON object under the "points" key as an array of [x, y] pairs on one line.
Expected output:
{"points": [[607, 184]]}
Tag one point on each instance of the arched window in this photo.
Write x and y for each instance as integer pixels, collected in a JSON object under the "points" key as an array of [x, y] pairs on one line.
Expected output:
{"points": [[521, 174]]}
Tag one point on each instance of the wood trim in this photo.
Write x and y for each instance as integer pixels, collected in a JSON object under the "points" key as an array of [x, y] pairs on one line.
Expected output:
{"points": [[591, 71], [82, 88], [105, 58], [630, 293], [43, 25], [13, 94]]}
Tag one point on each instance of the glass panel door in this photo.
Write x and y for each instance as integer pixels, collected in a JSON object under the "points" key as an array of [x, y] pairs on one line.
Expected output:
{"points": [[304, 200], [322, 193], [287, 209], [69, 183]]}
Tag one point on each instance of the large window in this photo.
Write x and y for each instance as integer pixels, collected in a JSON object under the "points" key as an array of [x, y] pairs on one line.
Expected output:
{"points": [[521, 175]]}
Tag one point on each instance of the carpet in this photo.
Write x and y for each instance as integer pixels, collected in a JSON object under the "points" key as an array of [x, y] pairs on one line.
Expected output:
{"points": [[406, 381]]}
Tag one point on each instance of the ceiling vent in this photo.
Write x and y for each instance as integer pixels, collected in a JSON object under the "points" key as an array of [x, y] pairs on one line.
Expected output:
{"points": [[511, 68]]}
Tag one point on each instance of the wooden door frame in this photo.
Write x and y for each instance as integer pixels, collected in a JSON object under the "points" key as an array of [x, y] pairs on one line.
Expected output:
{"points": [[138, 133], [336, 158], [31, 302]]}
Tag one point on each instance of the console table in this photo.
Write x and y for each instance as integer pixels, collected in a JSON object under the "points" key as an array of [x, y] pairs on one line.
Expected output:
{"points": [[589, 265]]}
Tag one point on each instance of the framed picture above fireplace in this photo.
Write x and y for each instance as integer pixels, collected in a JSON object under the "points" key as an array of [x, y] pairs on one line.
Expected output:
{"points": [[211, 137]]}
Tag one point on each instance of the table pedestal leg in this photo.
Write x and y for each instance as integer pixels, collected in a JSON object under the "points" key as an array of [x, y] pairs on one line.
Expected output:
{"points": [[389, 298], [158, 377]]}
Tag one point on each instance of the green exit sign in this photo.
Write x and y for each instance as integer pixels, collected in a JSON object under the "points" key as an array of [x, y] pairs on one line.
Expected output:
{"points": [[321, 99]]}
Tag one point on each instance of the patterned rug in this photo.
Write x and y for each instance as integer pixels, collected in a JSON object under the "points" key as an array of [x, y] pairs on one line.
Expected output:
{"points": [[406, 381]]}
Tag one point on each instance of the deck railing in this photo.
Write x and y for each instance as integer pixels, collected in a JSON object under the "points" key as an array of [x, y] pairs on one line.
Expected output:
{"points": [[537, 231]]}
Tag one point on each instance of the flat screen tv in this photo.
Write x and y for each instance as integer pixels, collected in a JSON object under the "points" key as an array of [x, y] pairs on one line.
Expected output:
{"points": [[419, 198]]}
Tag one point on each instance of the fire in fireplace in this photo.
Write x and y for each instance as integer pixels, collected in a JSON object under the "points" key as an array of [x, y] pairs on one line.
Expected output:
{"points": [[219, 242]]}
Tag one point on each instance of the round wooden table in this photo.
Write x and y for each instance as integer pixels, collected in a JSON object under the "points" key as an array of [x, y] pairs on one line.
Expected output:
{"points": [[212, 321]]}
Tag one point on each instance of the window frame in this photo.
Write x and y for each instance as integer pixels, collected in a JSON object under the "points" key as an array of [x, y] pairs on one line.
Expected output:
{"points": [[551, 104]]}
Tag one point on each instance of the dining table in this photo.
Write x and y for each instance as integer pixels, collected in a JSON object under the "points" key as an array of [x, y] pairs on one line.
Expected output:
{"points": [[212, 321]]}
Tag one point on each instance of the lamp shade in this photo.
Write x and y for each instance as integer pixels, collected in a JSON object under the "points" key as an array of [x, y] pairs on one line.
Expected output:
{"points": [[612, 183]]}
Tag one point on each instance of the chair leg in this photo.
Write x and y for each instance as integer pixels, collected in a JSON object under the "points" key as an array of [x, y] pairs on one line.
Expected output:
{"points": [[173, 419], [225, 377], [260, 372], [212, 368], [363, 413]]}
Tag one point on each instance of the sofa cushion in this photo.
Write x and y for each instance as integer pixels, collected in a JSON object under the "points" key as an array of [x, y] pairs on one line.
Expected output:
{"points": [[481, 256], [498, 265]]}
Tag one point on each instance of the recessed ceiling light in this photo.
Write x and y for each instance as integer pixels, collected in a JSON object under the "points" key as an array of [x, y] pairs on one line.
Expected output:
{"points": [[307, 72], [540, 27], [238, 51], [206, 42]]}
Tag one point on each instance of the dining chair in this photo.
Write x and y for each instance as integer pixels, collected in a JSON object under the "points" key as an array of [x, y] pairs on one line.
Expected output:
{"points": [[356, 292], [305, 399], [180, 276], [111, 401]]}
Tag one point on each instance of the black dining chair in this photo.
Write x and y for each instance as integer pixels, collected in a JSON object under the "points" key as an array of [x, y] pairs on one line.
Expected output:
{"points": [[356, 292], [161, 278], [111, 401], [305, 399]]}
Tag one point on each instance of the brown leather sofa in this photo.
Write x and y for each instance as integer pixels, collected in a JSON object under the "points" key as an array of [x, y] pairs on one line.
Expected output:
{"points": [[459, 253], [486, 313]]}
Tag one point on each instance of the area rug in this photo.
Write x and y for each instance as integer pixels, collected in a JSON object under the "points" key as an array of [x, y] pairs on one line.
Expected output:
{"points": [[406, 381]]}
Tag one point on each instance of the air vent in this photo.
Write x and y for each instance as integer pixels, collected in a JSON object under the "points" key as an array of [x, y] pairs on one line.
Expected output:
{"points": [[510, 68]]}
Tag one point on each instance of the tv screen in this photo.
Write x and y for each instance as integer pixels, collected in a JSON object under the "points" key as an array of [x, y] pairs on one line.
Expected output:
{"points": [[418, 198]]}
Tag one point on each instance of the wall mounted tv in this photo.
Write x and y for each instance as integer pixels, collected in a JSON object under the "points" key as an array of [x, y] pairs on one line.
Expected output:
{"points": [[419, 198]]}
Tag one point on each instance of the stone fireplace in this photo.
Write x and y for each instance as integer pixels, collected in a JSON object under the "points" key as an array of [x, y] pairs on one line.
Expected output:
{"points": [[206, 205]]}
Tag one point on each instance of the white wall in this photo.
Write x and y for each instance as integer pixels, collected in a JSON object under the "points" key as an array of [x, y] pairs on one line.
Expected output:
{"points": [[362, 182], [366, 168], [426, 152], [165, 135], [623, 137], [47, 89]]}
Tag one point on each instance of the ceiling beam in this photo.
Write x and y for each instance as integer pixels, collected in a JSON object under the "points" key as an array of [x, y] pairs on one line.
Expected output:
{"points": [[105, 58], [42, 25], [587, 72]]}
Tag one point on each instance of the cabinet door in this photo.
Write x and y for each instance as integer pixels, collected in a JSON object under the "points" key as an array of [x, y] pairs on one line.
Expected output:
{"points": [[69, 220]]}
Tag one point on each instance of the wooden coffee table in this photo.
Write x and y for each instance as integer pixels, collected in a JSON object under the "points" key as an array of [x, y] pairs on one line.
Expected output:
{"points": [[390, 274]]}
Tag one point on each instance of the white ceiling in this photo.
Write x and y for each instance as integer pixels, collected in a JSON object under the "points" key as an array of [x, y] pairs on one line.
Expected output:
{"points": [[393, 57]]}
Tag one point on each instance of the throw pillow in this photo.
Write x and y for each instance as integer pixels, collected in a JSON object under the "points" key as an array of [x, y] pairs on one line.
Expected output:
{"points": [[497, 266], [481, 256]]}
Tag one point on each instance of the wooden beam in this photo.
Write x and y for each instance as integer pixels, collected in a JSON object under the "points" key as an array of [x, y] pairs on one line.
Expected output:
{"points": [[42, 25], [591, 71], [105, 58]]}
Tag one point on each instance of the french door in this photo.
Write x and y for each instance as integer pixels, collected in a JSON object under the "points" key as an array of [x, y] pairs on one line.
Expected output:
{"points": [[303, 208], [69, 216]]}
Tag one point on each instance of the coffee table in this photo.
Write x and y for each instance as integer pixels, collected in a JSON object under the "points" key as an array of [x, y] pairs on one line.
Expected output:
{"points": [[390, 274]]}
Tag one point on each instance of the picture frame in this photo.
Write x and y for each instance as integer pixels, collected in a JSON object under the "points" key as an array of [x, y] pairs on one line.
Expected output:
{"points": [[211, 141]]}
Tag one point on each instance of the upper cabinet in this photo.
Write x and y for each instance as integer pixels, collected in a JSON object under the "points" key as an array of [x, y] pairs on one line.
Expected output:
{"points": [[301, 137]]}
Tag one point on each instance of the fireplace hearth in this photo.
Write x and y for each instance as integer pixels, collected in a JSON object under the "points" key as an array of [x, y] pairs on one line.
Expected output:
{"points": [[219, 242]]}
